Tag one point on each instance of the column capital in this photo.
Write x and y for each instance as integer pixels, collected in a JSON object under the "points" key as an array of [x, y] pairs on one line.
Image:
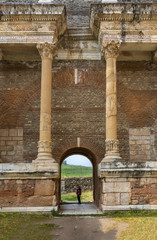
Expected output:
{"points": [[47, 50], [110, 49]]}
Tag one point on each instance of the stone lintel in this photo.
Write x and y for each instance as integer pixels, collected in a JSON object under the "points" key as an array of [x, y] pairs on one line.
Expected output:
{"points": [[128, 173], [34, 170], [29, 175], [122, 168], [16, 38]]}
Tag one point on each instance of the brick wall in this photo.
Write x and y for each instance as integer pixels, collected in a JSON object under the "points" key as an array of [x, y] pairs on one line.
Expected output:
{"points": [[78, 110], [140, 144], [11, 145]]}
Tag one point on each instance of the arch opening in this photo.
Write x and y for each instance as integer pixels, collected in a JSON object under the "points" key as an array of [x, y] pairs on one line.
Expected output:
{"points": [[76, 173], [79, 164]]}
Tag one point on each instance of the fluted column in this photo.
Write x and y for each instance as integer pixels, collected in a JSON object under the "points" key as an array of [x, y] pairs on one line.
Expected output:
{"points": [[111, 51], [46, 51]]}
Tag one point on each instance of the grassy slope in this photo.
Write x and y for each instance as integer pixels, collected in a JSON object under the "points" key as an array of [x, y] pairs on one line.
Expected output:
{"points": [[75, 171]]}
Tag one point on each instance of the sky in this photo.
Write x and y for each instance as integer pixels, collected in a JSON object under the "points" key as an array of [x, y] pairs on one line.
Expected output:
{"points": [[78, 160]]}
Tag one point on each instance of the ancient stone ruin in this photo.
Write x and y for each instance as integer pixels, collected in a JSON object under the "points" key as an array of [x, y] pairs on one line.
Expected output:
{"points": [[78, 77]]}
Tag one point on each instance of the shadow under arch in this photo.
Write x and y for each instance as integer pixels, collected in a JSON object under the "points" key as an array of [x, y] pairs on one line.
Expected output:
{"points": [[87, 153]]}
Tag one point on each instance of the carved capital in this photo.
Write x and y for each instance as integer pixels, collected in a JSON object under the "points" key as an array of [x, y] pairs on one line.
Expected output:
{"points": [[110, 49], [112, 147], [44, 147], [47, 50]]}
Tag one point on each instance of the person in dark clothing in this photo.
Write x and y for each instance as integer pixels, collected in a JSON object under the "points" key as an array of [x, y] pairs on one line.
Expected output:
{"points": [[78, 193]]}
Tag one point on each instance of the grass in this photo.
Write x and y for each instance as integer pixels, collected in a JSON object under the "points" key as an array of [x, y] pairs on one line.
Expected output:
{"points": [[142, 225], [140, 228], [18, 226], [86, 196], [75, 171]]}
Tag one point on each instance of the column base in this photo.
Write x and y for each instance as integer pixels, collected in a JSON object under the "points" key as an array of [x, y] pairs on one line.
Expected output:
{"points": [[46, 164], [111, 158]]}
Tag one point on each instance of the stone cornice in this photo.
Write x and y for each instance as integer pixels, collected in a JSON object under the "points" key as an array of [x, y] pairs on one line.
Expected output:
{"points": [[121, 12], [29, 9], [26, 23], [124, 22], [38, 12]]}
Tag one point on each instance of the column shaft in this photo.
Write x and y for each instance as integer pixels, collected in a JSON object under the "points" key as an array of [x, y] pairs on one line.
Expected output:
{"points": [[45, 105], [111, 51], [111, 99], [46, 51]]}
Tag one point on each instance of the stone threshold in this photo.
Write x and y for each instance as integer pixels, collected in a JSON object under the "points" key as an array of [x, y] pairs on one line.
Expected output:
{"points": [[128, 207], [28, 209]]}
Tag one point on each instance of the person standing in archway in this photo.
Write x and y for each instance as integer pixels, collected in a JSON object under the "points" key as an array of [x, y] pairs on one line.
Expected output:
{"points": [[78, 193]]}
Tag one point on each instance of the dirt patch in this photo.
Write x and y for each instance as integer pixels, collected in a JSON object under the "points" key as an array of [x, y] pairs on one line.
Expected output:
{"points": [[102, 228]]}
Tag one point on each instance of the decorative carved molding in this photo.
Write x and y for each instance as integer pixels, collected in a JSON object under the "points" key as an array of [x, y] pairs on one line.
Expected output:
{"points": [[110, 49], [112, 147], [47, 50], [119, 12], [45, 147], [29, 10]]}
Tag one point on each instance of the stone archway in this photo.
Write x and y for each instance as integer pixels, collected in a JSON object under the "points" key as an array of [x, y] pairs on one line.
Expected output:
{"points": [[87, 153]]}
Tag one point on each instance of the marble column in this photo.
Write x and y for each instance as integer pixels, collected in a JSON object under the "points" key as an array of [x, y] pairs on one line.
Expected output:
{"points": [[111, 51], [46, 51]]}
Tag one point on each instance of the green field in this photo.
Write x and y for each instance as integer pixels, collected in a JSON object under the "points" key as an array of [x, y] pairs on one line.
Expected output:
{"points": [[86, 196], [75, 171]]}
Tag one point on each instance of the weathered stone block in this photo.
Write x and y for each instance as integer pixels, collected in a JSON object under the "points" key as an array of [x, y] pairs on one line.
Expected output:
{"points": [[20, 132], [111, 199], [11, 143], [44, 187], [4, 132], [2, 143], [125, 198], [13, 132], [116, 187], [11, 153], [134, 202], [3, 153], [39, 201]]}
